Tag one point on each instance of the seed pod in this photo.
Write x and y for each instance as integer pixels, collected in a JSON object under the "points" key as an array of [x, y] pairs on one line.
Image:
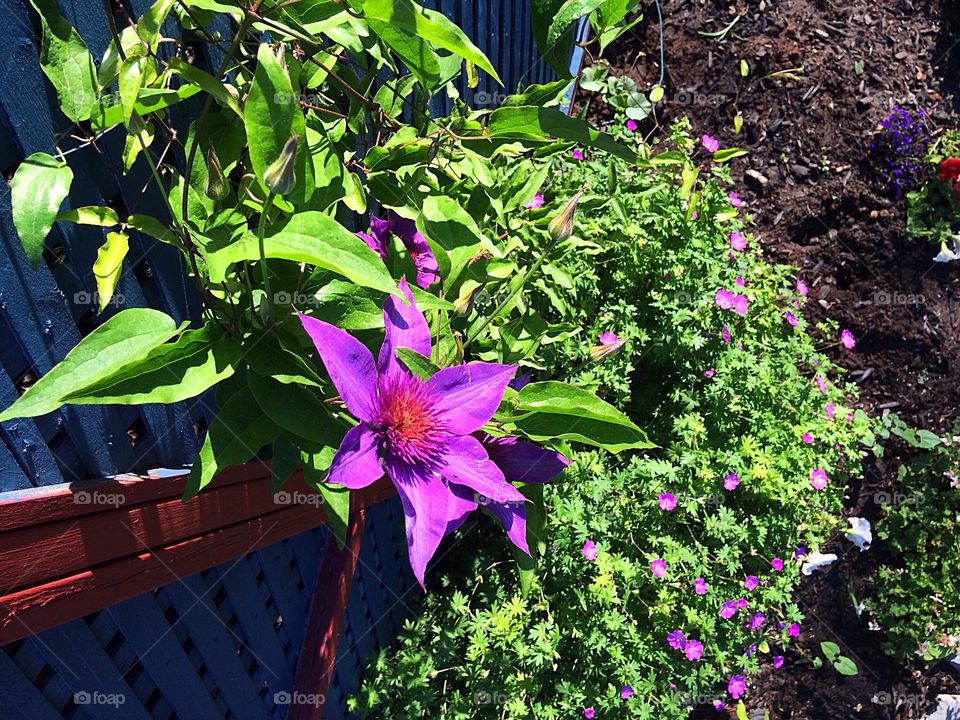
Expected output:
{"points": [[216, 186], [561, 227], [280, 176]]}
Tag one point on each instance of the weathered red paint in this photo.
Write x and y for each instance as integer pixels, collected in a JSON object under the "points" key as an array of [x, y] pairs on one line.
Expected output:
{"points": [[319, 651], [60, 560]]}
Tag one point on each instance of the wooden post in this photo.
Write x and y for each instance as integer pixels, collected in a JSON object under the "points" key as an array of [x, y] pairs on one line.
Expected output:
{"points": [[327, 608]]}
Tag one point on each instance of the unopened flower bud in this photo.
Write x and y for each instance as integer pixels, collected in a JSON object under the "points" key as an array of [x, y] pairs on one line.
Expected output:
{"points": [[561, 227], [609, 344], [216, 186], [280, 176]]}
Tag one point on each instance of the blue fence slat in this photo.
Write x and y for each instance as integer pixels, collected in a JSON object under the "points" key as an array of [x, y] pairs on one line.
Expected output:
{"points": [[276, 567], [217, 647], [148, 632], [20, 699]]}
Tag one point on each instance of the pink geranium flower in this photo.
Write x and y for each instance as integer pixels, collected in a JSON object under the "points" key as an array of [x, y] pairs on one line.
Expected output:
{"points": [[577, 155], [791, 318], [725, 334], [807, 439], [818, 478], [777, 564], [793, 630], [667, 501], [848, 340], [535, 203], [710, 143], [728, 609], [734, 199], [740, 304], [589, 550], [778, 661], [756, 621], [677, 640], [802, 288], [737, 686], [821, 384], [700, 586], [711, 372], [724, 299], [693, 650], [830, 409], [659, 568], [738, 241], [589, 713], [731, 481], [626, 692], [632, 125], [751, 582]]}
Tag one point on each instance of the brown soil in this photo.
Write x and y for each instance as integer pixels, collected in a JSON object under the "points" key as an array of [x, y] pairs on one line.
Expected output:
{"points": [[822, 75]]}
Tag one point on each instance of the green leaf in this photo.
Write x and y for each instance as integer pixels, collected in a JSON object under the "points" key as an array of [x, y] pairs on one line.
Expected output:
{"points": [[284, 458], [547, 94], [132, 76], [169, 373], [296, 410], [416, 363], [66, 61], [336, 499], [125, 338], [39, 186], [537, 123], [235, 436], [415, 52], [149, 225], [311, 237], [148, 26], [830, 650], [568, 13], [845, 666], [90, 215], [727, 154], [561, 411], [207, 82], [430, 25], [109, 263], [556, 53], [272, 116], [927, 439], [742, 711], [444, 221], [149, 100]]}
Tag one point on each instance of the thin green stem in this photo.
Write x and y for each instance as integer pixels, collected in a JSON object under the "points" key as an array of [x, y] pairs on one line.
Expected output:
{"points": [[264, 270]]}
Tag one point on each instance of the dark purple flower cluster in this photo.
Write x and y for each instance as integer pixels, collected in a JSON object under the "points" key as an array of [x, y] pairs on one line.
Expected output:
{"points": [[898, 149]]}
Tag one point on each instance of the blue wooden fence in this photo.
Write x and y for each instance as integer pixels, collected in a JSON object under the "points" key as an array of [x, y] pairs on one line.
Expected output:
{"points": [[222, 643]]}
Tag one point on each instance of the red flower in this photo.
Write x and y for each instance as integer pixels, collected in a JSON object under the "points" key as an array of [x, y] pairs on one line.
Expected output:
{"points": [[950, 170]]}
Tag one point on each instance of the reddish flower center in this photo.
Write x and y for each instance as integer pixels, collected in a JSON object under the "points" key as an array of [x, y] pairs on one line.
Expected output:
{"points": [[407, 421]]}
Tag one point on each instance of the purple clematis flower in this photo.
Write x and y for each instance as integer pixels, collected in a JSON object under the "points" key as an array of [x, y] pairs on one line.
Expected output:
{"points": [[419, 433], [428, 271]]}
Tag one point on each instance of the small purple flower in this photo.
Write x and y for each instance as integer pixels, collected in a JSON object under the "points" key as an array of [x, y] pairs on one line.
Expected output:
{"points": [[718, 705], [756, 621], [589, 550], [589, 712], [818, 478], [632, 125], [800, 551], [536, 203], [737, 686], [751, 582], [693, 650], [677, 640], [830, 409], [711, 372], [741, 603], [807, 438], [793, 630], [791, 318], [659, 568], [724, 299], [740, 282], [821, 384], [667, 501], [578, 155], [700, 586], [710, 143], [740, 304], [734, 199], [728, 609], [778, 662], [738, 241], [802, 288], [725, 334], [777, 564], [848, 340], [731, 481], [626, 692]]}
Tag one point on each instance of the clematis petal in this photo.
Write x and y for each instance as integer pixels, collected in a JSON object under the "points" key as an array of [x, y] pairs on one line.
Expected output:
{"points": [[349, 364], [523, 461], [513, 518], [381, 231], [405, 328], [426, 501], [467, 463], [374, 244], [462, 503], [357, 462], [470, 394]]}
